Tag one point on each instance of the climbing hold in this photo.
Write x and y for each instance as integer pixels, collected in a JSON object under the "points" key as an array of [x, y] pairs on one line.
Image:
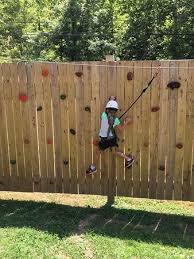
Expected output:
{"points": [[129, 76], [26, 141], [179, 145], [45, 72], [51, 182], [13, 162], [161, 168], [155, 108], [49, 141], [87, 109], [1, 183], [65, 162], [72, 131], [63, 97], [23, 98], [79, 74], [39, 108], [174, 84]]}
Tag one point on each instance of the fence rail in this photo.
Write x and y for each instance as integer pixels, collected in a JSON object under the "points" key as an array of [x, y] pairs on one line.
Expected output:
{"points": [[50, 115]]}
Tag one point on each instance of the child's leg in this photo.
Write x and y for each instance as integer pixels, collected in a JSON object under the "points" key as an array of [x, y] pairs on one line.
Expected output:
{"points": [[129, 160], [93, 167], [121, 154], [96, 155]]}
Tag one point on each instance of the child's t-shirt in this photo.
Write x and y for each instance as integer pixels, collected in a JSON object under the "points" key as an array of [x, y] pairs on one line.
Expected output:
{"points": [[105, 126]]}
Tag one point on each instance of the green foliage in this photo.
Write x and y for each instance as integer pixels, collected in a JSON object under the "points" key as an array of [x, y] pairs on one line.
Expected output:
{"points": [[88, 30]]}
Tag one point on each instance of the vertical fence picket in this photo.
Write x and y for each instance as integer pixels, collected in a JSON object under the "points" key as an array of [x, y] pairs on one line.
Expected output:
{"points": [[30, 70], [187, 163], [145, 142], [3, 134], [8, 84], [88, 111], [103, 100], [120, 169], [112, 91], [79, 88], [154, 130], [56, 115], [129, 98], [180, 132], [163, 130], [18, 128], [27, 141], [137, 128], [41, 125], [72, 127], [96, 120], [63, 88], [188, 170], [172, 115]]}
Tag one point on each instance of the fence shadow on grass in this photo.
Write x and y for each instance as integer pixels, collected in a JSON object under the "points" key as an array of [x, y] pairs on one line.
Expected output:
{"points": [[63, 220]]}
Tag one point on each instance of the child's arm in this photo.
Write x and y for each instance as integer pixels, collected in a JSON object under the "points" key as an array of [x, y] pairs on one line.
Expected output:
{"points": [[126, 122]]}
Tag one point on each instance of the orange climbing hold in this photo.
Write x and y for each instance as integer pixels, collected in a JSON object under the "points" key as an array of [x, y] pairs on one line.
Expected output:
{"points": [[49, 141], [45, 72], [23, 98]]}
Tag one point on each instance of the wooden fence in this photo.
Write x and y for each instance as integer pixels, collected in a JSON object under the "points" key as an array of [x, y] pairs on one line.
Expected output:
{"points": [[50, 115]]}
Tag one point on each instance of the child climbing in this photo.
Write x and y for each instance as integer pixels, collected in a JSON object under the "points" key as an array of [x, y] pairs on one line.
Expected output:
{"points": [[108, 138]]}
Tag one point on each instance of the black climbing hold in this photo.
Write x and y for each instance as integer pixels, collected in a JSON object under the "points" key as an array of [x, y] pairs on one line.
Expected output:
{"points": [[65, 162], [39, 108], [87, 109], [161, 168], [63, 97], [13, 162], [173, 84], [72, 131]]}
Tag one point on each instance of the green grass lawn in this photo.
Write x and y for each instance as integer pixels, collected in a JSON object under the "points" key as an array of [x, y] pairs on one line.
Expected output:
{"points": [[70, 226]]}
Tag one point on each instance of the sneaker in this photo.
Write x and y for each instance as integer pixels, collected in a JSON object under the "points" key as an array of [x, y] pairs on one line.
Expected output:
{"points": [[129, 161], [91, 170]]}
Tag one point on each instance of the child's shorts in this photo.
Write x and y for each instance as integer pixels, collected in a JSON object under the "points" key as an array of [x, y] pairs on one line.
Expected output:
{"points": [[105, 143]]}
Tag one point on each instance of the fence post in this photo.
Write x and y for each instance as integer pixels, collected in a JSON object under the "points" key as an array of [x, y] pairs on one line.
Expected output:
{"points": [[112, 163], [110, 58], [112, 177]]}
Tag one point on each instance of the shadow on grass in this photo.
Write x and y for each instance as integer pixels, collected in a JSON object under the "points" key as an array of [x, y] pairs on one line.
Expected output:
{"points": [[65, 221]]}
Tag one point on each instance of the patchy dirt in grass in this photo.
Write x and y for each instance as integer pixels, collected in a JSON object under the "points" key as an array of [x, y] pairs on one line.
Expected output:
{"points": [[83, 224], [78, 238]]}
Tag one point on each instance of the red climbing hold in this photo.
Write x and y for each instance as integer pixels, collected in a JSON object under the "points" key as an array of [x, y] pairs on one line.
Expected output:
{"points": [[49, 141], [129, 76], [45, 72], [23, 98]]}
